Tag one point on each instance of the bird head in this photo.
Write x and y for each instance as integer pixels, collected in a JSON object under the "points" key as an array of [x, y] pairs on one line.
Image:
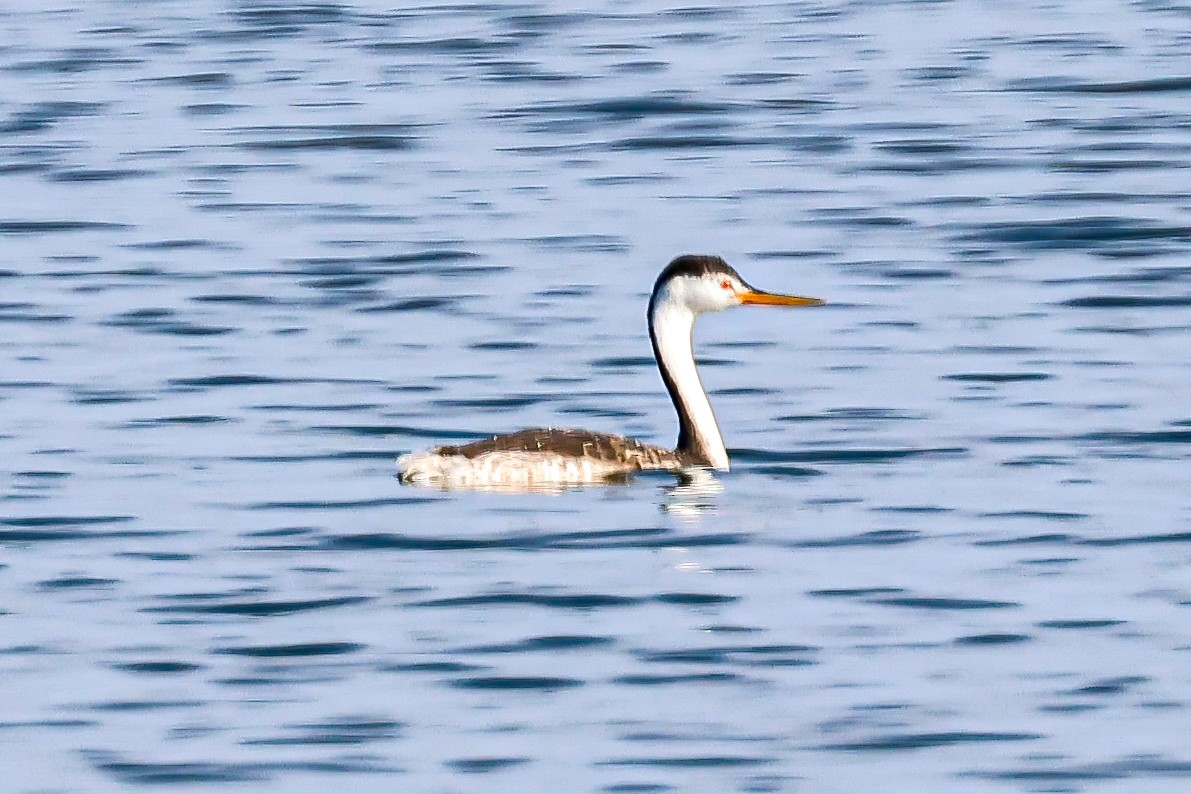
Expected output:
{"points": [[699, 284]]}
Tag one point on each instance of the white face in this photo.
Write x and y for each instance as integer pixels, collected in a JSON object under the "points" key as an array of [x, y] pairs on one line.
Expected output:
{"points": [[711, 292]]}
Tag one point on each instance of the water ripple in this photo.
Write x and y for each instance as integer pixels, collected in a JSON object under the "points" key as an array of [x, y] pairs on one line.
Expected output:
{"points": [[252, 253], [918, 741]]}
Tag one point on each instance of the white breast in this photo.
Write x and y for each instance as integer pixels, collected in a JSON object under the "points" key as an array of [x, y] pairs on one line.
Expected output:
{"points": [[505, 469]]}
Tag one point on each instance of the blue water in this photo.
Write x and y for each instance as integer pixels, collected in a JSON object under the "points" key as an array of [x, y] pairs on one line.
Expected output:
{"points": [[252, 251]]}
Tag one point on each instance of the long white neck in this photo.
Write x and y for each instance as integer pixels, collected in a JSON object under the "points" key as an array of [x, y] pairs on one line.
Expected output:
{"points": [[670, 328]]}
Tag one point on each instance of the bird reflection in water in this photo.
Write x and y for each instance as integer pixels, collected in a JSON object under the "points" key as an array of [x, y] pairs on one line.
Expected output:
{"points": [[693, 496]]}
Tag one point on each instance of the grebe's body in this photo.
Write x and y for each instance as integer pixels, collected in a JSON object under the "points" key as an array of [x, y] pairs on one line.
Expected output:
{"points": [[543, 457], [540, 456]]}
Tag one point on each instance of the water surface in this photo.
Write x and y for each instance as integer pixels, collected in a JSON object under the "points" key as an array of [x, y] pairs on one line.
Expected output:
{"points": [[253, 251]]}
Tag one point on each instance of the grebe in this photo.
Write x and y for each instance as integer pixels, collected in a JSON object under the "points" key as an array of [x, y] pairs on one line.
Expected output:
{"points": [[545, 457]]}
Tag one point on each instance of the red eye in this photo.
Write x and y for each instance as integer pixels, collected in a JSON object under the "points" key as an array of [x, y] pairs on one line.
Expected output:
{"points": [[726, 284]]}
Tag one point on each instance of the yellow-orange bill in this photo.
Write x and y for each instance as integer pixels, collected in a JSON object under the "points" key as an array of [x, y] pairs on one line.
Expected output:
{"points": [[772, 299]]}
